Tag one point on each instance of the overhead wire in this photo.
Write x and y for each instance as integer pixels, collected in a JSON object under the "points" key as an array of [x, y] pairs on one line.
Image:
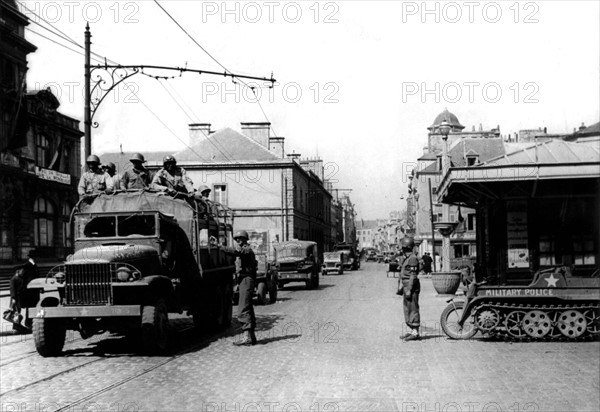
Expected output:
{"points": [[57, 32]]}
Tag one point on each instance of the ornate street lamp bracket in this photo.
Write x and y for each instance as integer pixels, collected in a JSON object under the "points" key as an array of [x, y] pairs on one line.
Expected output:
{"points": [[105, 78]]}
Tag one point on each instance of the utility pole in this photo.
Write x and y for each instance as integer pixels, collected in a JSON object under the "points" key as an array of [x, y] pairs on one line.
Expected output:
{"points": [[87, 121]]}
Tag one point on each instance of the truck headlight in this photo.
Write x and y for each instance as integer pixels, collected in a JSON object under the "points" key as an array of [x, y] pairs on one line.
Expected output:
{"points": [[59, 277], [123, 274]]}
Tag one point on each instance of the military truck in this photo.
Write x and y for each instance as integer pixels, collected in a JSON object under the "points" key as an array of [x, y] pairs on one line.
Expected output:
{"points": [[351, 260], [298, 261], [139, 255]]}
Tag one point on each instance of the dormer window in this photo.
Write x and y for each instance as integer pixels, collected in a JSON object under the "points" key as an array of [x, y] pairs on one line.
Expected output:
{"points": [[472, 158]]}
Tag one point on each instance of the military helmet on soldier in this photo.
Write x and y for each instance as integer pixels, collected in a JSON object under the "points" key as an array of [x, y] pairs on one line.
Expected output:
{"points": [[137, 157], [111, 166], [169, 159], [407, 243], [241, 234], [203, 188], [93, 159]]}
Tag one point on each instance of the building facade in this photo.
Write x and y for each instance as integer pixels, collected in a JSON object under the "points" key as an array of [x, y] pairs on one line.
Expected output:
{"points": [[466, 149], [39, 156]]}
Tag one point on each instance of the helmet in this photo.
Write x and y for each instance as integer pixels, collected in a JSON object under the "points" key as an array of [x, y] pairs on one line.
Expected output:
{"points": [[111, 166], [407, 243], [137, 157], [93, 159], [169, 159], [203, 188], [241, 233]]}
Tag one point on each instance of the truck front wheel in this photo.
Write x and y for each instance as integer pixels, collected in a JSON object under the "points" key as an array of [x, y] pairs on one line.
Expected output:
{"points": [[155, 328], [49, 336]]}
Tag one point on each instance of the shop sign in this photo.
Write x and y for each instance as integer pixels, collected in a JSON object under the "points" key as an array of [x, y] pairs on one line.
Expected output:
{"points": [[53, 175]]}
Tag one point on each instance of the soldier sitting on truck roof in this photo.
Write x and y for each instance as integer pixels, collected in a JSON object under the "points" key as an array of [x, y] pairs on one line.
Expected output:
{"points": [[172, 178], [95, 180], [138, 177]]}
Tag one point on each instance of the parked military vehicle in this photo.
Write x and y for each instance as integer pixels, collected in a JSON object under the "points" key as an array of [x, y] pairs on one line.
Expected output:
{"points": [[332, 263], [138, 257], [298, 261], [350, 258], [555, 305]]}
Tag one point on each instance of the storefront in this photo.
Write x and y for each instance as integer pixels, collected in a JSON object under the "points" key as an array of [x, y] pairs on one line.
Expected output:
{"points": [[535, 208]]}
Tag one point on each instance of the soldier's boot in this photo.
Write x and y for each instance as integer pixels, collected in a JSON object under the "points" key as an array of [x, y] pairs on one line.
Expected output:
{"points": [[413, 335], [249, 340]]}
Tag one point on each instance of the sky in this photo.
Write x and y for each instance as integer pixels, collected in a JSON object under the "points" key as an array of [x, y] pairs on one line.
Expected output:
{"points": [[358, 82]]}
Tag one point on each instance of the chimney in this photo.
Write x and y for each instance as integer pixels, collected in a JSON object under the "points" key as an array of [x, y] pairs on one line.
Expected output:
{"points": [[314, 165], [198, 132], [259, 132], [582, 126], [276, 146]]}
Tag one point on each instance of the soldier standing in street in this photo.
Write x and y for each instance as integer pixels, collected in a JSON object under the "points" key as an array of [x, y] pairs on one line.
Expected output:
{"points": [[245, 268], [138, 177], [411, 288], [111, 170], [94, 181], [171, 178]]}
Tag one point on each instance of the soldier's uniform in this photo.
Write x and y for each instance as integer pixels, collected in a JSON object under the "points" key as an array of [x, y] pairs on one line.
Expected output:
{"points": [[411, 287], [245, 269], [94, 182], [133, 179], [178, 181]]}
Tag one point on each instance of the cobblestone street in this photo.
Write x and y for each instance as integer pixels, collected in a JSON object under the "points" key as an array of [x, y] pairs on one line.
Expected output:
{"points": [[334, 348]]}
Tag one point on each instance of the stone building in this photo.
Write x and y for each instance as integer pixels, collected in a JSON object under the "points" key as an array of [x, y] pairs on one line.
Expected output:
{"points": [[39, 157], [465, 149], [248, 173]]}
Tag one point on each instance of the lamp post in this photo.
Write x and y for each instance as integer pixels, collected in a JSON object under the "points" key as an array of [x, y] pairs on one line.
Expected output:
{"points": [[446, 282], [444, 131]]}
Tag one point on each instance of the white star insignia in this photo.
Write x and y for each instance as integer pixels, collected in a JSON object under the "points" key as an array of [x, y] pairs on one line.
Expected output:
{"points": [[551, 280]]}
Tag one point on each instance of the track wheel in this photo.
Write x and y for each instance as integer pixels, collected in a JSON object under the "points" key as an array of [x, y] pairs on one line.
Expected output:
{"points": [[537, 323], [49, 336], [592, 316], [449, 321], [155, 328], [514, 324], [572, 323]]}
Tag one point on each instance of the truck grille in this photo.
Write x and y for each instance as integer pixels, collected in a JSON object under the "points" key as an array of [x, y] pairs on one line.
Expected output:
{"points": [[88, 284], [330, 264], [288, 267]]}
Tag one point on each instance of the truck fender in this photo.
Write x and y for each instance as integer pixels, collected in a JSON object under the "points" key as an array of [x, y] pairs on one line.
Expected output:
{"points": [[159, 287]]}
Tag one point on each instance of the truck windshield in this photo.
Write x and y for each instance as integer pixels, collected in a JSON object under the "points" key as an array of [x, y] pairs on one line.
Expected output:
{"points": [[291, 252], [118, 226]]}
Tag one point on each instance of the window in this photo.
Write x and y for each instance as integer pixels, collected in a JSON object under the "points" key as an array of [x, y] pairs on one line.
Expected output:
{"points": [[65, 164], [471, 221], [67, 233], [42, 146], [471, 160], [461, 251], [43, 223], [220, 194]]}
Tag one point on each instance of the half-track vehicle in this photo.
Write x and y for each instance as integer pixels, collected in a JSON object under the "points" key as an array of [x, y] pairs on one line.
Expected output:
{"points": [[333, 263], [139, 255], [556, 305], [298, 261]]}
